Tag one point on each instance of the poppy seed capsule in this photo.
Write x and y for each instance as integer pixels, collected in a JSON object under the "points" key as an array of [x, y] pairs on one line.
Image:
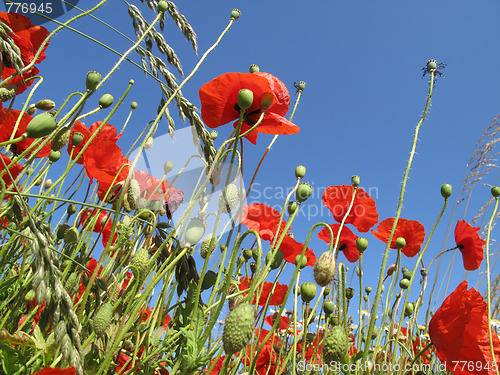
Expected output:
{"points": [[162, 6], [404, 283], [495, 191], [194, 231], [355, 180], [307, 291], [275, 261], [431, 64], [303, 192], [77, 138], [168, 166], [292, 207], [361, 244], [148, 144], [329, 307], [92, 80], [301, 261], [54, 156], [106, 100], [41, 125], [71, 209], [408, 309], [324, 269], [133, 105], [300, 171], [238, 328], [245, 99], [254, 68], [47, 184], [349, 293], [301, 86], [235, 14], [445, 191], [213, 135], [400, 243], [60, 140], [71, 235], [247, 254], [368, 289]]}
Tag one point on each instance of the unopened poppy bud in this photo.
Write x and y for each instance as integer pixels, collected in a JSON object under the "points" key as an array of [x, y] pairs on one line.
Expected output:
{"points": [[329, 307], [256, 254], [194, 231], [324, 269], [292, 207], [300, 171], [275, 262], [92, 81], [213, 135], [77, 138], [407, 274], [431, 64], [149, 143], [47, 184], [301, 86], [400, 243], [235, 14], [267, 100], [307, 291], [168, 166], [45, 104], [361, 244], [245, 99], [404, 283], [446, 190], [54, 156], [365, 297], [209, 280], [71, 209], [162, 6], [409, 309], [41, 125], [495, 191], [391, 270], [133, 105], [254, 68], [349, 293], [301, 261], [355, 180], [368, 289], [31, 110], [247, 254], [303, 192], [7, 93], [253, 267], [106, 100], [326, 292]]}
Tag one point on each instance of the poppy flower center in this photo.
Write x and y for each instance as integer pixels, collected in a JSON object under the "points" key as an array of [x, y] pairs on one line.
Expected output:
{"points": [[343, 246]]}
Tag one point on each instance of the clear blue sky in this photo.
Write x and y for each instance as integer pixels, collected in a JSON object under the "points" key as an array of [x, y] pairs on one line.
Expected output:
{"points": [[362, 64]]}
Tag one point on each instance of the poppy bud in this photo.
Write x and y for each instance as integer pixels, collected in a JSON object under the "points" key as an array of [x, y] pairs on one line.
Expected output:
{"points": [[324, 269], [194, 231], [301, 86], [106, 100], [7, 93], [303, 192], [355, 180], [133, 105], [41, 125], [149, 143], [400, 243], [206, 249], [247, 254], [31, 110], [168, 166], [329, 307], [408, 309], [292, 207], [245, 99], [361, 244], [446, 191], [162, 6], [60, 140], [275, 262], [209, 280], [45, 105], [365, 297], [368, 289], [431, 65], [300, 171], [307, 291], [495, 191], [71, 209], [301, 261], [256, 253], [326, 292], [213, 135], [92, 81], [254, 68], [404, 283], [54, 156], [47, 184], [391, 270], [266, 100], [349, 293], [235, 14], [77, 138]]}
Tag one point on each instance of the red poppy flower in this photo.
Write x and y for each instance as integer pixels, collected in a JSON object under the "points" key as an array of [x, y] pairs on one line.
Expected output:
{"points": [[363, 214], [217, 367], [277, 297], [347, 242], [125, 361], [284, 321], [263, 219], [103, 224], [469, 244], [7, 125], [459, 332], [219, 103], [28, 38], [411, 230], [13, 170], [267, 362], [78, 127], [292, 248], [57, 371]]}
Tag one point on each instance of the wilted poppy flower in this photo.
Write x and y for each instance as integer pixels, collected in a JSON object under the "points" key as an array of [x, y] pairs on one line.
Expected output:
{"points": [[411, 230], [469, 244], [459, 332], [363, 214], [347, 242], [14, 170], [28, 38], [7, 126], [263, 219], [57, 371], [219, 103], [292, 248], [277, 296]]}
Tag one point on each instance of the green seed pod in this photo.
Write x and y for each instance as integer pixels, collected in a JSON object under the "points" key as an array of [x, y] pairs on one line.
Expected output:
{"points": [[194, 231], [209, 280], [229, 198], [390, 270], [141, 261], [71, 235], [205, 249], [72, 282], [300, 171], [301, 261], [445, 191], [149, 143], [54, 156], [495, 191], [431, 64], [60, 140], [92, 81], [253, 267], [61, 229], [408, 309], [168, 166], [133, 105], [256, 254], [307, 291], [349, 293], [213, 135], [247, 254], [77, 138], [45, 105], [238, 328], [355, 180], [400, 243], [276, 260], [235, 14], [162, 6], [335, 345], [404, 283], [133, 193], [245, 99], [324, 269], [7, 93], [326, 292], [407, 274], [41, 125], [47, 184], [292, 207], [254, 68], [31, 110], [102, 319], [368, 289], [303, 192], [365, 297], [329, 307], [301, 86], [106, 101], [361, 244]]}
